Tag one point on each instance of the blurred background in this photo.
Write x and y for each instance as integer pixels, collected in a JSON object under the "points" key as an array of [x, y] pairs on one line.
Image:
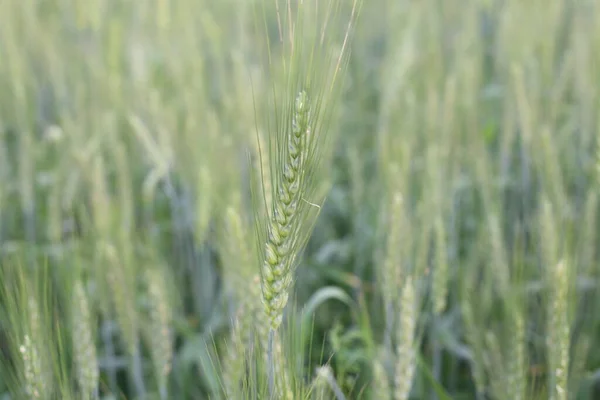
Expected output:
{"points": [[127, 130]]}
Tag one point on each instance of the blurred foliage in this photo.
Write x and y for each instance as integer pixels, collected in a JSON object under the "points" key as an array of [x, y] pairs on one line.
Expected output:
{"points": [[131, 126]]}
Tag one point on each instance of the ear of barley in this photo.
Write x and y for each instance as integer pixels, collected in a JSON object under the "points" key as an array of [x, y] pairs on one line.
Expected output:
{"points": [[406, 343], [84, 347]]}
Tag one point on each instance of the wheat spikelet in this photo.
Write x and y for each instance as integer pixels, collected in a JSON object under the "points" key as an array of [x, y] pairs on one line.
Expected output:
{"points": [[84, 348], [406, 356], [284, 220]]}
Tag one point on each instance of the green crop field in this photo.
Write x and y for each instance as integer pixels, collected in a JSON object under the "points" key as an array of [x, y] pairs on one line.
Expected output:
{"points": [[299, 199]]}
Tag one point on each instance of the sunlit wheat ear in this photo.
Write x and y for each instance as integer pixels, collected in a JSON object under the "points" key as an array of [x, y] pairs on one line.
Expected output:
{"points": [[160, 331], [84, 348], [558, 336], [405, 338], [282, 245]]}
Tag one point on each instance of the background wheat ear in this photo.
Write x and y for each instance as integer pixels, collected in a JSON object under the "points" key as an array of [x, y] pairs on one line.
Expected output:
{"points": [[84, 345]]}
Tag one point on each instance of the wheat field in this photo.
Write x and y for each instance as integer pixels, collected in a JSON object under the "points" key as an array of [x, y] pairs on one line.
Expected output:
{"points": [[299, 199]]}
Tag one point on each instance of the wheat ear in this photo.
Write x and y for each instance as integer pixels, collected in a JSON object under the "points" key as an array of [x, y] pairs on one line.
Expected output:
{"points": [[284, 221], [406, 357], [35, 367], [559, 331], [380, 384], [516, 367], [84, 347], [160, 320]]}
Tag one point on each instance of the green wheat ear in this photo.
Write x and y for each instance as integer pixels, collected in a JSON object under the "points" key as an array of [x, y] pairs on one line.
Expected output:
{"points": [[284, 219], [306, 64]]}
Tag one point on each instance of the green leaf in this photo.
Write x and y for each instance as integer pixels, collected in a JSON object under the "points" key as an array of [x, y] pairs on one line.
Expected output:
{"points": [[437, 387]]}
